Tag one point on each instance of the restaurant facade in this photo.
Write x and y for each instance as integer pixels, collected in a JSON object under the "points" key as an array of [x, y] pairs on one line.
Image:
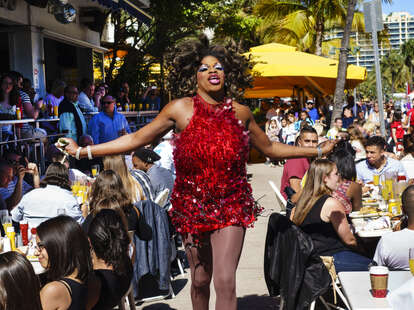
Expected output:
{"points": [[45, 40]]}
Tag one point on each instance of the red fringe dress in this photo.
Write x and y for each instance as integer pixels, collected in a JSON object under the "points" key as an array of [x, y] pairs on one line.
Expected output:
{"points": [[211, 189]]}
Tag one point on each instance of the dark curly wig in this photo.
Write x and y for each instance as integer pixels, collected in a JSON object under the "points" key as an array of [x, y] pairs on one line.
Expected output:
{"points": [[110, 240], [184, 59]]}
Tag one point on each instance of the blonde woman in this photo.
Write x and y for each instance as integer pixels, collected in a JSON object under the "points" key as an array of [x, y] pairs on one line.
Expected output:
{"points": [[357, 141], [131, 185], [323, 218]]}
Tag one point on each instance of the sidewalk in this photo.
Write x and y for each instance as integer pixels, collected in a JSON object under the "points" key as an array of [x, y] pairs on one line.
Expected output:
{"points": [[251, 287]]}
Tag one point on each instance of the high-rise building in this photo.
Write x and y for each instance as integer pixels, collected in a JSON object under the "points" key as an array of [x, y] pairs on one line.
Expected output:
{"points": [[400, 27]]}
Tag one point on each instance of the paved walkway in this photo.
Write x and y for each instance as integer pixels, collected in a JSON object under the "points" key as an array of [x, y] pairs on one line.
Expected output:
{"points": [[251, 287]]}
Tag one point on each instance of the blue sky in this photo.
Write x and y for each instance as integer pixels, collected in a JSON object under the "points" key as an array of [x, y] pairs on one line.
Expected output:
{"points": [[399, 6]]}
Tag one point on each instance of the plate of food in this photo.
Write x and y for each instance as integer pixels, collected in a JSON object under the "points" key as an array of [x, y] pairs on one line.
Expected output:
{"points": [[366, 211]]}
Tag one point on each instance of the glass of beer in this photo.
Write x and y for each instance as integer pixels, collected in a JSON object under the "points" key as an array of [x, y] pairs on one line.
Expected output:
{"points": [[95, 170], [376, 179], [56, 111], [411, 259]]}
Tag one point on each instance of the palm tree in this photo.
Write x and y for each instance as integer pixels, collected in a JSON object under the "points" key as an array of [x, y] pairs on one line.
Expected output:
{"points": [[301, 23], [407, 49], [343, 60], [393, 70]]}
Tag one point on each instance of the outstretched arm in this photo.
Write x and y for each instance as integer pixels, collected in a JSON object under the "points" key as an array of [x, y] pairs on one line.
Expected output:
{"points": [[278, 150], [157, 128]]}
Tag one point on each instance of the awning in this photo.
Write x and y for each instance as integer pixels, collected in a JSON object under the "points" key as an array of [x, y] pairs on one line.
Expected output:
{"points": [[72, 41], [128, 6], [279, 68]]}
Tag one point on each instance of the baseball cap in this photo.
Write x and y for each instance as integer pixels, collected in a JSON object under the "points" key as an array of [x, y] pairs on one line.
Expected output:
{"points": [[147, 155]]}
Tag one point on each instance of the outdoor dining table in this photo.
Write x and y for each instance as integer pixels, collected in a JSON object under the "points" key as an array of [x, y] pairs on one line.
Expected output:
{"points": [[357, 285]]}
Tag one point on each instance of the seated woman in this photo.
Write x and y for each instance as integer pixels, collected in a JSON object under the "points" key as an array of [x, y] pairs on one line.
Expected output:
{"points": [[348, 193], [109, 185], [43, 203], [324, 219], [63, 250], [110, 255], [19, 285]]}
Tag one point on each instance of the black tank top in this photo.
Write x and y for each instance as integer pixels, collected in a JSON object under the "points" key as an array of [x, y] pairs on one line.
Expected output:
{"points": [[113, 287], [78, 293], [325, 239]]}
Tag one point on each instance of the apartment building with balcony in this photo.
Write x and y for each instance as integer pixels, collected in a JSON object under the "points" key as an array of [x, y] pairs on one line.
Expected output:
{"points": [[400, 27]]}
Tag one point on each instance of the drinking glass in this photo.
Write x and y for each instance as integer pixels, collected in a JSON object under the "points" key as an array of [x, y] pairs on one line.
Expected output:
{"points": [[95, 170], [376, 179], [411, 259]]}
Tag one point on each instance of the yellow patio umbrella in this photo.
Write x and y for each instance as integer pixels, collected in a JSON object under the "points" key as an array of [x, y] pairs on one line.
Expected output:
{"points": [[282, 69]]}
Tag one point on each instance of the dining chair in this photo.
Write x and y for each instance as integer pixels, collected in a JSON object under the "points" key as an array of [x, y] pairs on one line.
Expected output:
{"points": [[162, 197], [329, 264], [129, 299]]}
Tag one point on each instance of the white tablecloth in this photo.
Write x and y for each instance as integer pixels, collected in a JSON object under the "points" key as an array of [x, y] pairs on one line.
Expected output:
{"points": [[356, 286]]}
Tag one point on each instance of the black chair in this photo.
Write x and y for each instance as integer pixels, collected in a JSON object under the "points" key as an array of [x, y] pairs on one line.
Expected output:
{"points": [[291, 267]]}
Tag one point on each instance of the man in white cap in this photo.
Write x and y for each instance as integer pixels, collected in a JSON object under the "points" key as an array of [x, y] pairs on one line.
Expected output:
{"points": [[312, 111]]}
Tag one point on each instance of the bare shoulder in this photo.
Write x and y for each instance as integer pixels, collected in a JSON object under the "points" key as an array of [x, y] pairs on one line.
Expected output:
{"points": [[333, 205], [180, 103], [333, 209], [54, 289], [180, 111], [242, 111]]}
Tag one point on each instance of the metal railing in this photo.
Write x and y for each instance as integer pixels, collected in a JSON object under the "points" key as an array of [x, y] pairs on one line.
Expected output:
{"points": [[139, 119]]}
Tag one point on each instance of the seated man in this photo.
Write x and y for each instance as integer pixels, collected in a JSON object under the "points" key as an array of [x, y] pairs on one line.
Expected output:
{"points": [[108, 124], [16, 187], [295, 168], [377, 162], [392, 249]]}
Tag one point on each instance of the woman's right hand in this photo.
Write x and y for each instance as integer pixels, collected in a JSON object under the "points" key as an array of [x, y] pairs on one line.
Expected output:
{"points": [[70, 148]]}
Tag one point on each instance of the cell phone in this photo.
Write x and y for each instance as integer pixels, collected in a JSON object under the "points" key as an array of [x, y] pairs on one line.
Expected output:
{"points": [[22, 162], [153, 87]]}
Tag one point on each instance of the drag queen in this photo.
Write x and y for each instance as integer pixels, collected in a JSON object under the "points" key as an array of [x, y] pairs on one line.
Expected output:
{"points": [[212, 203]]}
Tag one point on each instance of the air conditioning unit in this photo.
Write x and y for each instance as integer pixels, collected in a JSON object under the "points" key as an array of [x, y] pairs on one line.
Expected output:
{"points": [[38, 3], [93, 18]]}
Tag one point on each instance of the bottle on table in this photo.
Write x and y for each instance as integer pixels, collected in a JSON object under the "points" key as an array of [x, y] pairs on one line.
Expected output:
{"points": [[32, 246], [12, 236], [18, 113], [24, 232]]}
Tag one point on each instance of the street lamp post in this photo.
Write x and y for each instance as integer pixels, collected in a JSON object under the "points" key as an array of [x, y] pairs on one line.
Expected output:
{"points": [[373, 24]]}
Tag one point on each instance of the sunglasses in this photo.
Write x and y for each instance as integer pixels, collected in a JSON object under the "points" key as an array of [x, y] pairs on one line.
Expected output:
{"points": [[107, 102]]}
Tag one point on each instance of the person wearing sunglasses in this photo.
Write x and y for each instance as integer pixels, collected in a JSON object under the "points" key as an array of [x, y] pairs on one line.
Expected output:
{"points": [[108, 125], [71, 120]]}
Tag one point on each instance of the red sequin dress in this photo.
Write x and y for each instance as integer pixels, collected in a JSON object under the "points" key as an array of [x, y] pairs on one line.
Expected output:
{"points": [[211, 189]]}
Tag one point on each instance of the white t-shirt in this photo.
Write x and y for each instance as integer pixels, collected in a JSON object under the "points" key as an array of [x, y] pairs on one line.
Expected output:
{"points": [[165, 151], [392, 249]]}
